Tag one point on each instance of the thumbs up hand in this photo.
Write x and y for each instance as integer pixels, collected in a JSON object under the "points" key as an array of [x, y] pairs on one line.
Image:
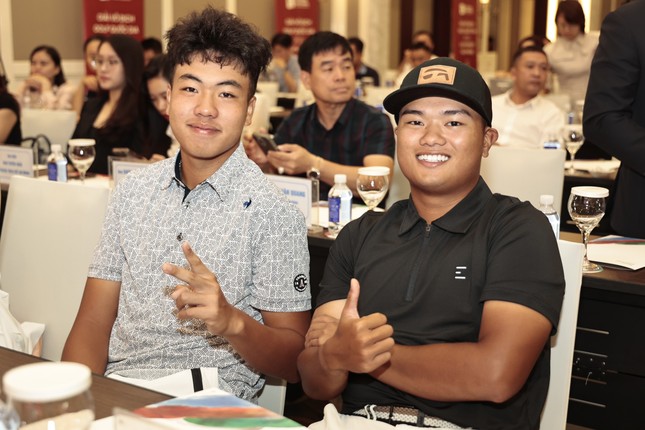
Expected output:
{"points": [[360, 344]]}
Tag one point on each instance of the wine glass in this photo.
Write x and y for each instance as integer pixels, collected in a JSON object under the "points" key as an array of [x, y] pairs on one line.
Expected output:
{"points": [[372, 184], [81, 152], [573, 140], [586, 208]]}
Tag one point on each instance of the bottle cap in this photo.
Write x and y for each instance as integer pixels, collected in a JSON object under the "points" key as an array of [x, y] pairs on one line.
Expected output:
{"points": [[47, 381], [546, 199], [56, 147], [340, 178]]}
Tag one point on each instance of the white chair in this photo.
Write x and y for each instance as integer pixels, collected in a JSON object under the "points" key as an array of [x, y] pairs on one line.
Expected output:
{"points": [[273, 395], [374, 96], [48, 236], [399, 186], [261, 114], [554, 414], [57, 125], [525, 173], [270, 89]]}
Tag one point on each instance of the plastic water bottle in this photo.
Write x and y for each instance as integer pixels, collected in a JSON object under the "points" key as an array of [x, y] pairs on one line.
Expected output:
{"points": [[340, 204], [57, 165], [9, 419], [546, 206]]}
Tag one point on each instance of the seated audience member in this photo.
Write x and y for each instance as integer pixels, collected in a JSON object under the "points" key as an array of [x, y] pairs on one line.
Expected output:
{"points": [[418, 53], [89, 85], [438, 312], [121, 117], [284, 67], [46, 86], [522, 116], [337, 133], [361, 69], [180, 279], [151, 48], [421, 36], [156, 77], [9, 114]]}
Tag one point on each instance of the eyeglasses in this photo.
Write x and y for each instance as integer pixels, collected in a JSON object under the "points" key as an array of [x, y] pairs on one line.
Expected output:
{"points": [[109, 63]]}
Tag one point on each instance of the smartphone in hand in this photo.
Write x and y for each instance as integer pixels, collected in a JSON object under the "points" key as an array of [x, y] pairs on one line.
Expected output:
{"points": [[265, 141]]}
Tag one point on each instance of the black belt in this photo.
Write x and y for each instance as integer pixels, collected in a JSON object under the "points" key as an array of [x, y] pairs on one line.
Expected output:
{"points": [[403, 415]]}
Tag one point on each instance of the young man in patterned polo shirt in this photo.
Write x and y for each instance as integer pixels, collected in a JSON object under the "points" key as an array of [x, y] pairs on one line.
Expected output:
{"points": [[200, 275]]}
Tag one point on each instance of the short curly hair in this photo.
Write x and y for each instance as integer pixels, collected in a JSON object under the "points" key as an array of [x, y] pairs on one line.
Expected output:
{"points": [[222, 38]]}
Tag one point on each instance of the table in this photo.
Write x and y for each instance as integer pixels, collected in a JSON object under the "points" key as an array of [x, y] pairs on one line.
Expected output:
{"points": [[108, 393]]}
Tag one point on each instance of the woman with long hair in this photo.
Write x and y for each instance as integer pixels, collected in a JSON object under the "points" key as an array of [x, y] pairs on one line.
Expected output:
{"points": [[46, 86], [120, 117], [9, 113]]}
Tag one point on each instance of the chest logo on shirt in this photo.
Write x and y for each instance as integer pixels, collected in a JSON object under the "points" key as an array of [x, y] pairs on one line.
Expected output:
{"points": [[300, 283], [461, 272]]}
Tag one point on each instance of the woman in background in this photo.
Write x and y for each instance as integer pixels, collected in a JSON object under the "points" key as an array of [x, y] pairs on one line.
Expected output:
{"points": [[120, 117], [89, 85], [156, 76], [9, 113], [571, 54], [46, 87]]}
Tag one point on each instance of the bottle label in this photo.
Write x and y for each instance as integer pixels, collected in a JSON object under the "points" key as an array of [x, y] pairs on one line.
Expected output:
{"points": [[345, 213], [334, 209], [61, 167], [52, 171]]}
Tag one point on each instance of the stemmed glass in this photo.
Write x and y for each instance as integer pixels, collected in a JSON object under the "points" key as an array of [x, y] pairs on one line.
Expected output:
{"points": [[81, 152], [586, 208], [372, 184], [573, 140]]}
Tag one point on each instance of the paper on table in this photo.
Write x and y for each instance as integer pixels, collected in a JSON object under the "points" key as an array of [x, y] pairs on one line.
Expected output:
{"points": [[618, 251], [323, 214]]}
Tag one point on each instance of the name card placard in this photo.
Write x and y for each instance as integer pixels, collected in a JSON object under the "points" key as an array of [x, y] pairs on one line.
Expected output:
{"points": [[15, 160], [297, 191], [120, 168]]}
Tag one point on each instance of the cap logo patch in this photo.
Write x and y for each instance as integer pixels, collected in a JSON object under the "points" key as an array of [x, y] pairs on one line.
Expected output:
{"points": [[437, 75]]}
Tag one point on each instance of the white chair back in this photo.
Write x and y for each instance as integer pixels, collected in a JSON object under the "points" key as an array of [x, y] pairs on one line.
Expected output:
{"points": [[304, 97], [57, 125], [374, 96], [261, 114], [270, 89], [48, 236], [525, 173], [273, 395], [554, 414]]}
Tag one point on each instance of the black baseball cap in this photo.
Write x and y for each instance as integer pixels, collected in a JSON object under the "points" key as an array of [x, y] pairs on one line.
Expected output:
{"points": [[443, 77]]}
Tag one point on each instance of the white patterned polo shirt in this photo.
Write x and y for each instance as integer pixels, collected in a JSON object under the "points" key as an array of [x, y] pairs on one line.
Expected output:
{"points": [[243, 229]]}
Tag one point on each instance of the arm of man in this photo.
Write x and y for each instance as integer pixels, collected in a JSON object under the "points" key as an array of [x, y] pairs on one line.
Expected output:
{"points": [[341, 341], [616, 73], [272, 347], [296, 160], [493, 369], [8, 119], [89, 337]]}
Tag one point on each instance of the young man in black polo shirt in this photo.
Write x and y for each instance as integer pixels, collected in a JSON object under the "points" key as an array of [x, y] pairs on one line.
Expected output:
{"points": [[439, 311]]}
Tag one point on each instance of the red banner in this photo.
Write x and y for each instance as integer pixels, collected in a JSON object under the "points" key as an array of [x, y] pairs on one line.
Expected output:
{"points": [[464, 31], [299, 18], [114, 17]]}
